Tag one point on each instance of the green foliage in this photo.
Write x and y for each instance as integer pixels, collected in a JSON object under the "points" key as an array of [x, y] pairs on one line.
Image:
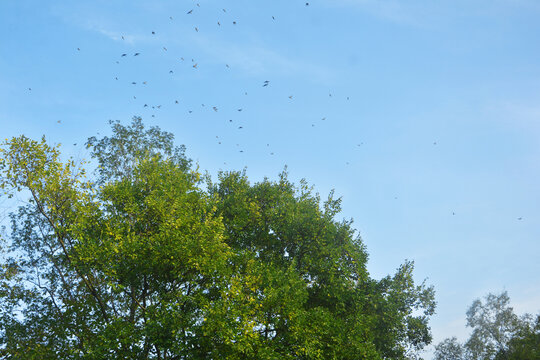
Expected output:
{"points": [[497, 333], [145, 262], [449, 349], [524, 345]]}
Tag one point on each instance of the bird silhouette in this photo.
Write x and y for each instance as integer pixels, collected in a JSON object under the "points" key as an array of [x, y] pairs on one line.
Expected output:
{"points": [[136, 54], [190, 11]]}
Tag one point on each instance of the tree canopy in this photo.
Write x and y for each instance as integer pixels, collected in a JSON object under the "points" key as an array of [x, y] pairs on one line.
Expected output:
{"points": [[147, 258], [497, 333]]}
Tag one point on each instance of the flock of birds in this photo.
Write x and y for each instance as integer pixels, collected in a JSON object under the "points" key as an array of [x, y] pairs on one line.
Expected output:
{"points": [[195, 66]]}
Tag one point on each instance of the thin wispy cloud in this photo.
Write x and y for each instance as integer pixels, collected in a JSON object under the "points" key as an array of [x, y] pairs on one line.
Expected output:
{"points": [[258, 60]]}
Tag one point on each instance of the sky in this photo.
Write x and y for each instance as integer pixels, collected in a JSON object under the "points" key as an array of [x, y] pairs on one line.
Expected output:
{"points": [[424, 116]]}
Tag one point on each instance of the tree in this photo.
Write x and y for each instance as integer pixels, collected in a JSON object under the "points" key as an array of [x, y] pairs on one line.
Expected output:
{"points": [[524, 345], [497, 333], [144, 261], [449, 349], [494, 323]]}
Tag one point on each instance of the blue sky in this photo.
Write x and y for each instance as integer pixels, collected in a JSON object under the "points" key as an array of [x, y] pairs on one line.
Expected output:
{"points": [[424, 116]]}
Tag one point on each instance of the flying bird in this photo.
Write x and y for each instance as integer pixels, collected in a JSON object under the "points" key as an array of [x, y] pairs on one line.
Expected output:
{"points": [[195, 66], [196, 29], [215, 108], [190, 11], [124, 54], [153, 33], [136, 54]]}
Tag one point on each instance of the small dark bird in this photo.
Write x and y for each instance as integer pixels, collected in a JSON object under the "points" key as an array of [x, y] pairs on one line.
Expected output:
{"points": [[170, 17], [182, 58], [224, 10], [266, 82], [290, 97], [170, 71], [240, 127], [79, 49], [230, 120], [153, 33], [190, 11], [215, 108], [122, 37], [164, 48], [195, 66], [124, 54], [115, 78], [196, 29], [234, 22], [227, 65], [59, 121], [136, 54], [520, 218], [134, 83], [144, 82], [307, 4], [190, 111], [239, 109], [218, 23], [198, 5], [145, 105], [273, 18], [176, 101], [323, 119]]}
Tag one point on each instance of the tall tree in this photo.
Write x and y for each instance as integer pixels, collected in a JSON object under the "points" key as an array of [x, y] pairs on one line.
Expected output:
{"points": [[142, 261]]}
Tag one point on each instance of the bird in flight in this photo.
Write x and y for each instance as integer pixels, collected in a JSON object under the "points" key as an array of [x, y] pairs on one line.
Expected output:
{"points": [[136, 54], [196, 29], [190, 11], [239, 109], [520, 218], [195, 66], [124, 54], [215, 108], [290, 97], [153, 33], [266, 82]]}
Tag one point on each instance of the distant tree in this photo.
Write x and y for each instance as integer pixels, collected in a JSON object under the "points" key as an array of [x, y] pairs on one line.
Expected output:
{"points": [[497, 333], [144, 261], [523, 345], [494, 324], [449, 349]]}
